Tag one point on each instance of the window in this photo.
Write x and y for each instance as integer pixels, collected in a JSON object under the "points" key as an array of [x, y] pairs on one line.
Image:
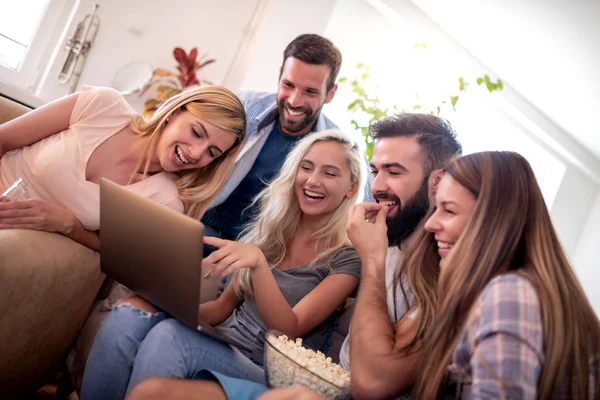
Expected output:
{"points": [[18, 23], [31, 32]]}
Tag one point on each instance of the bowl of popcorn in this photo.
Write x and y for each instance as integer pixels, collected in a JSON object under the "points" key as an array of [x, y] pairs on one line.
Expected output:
{"points": [[288, 363]]}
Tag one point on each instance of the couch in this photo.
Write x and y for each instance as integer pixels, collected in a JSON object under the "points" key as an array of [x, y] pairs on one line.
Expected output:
{"points": [[49, 284]]}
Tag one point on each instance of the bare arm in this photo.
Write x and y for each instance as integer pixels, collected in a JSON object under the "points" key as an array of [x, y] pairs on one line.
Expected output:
{"points": [[274, 309], [38, 124], [81, 235], [216, 311], [379, 368], [313, 309], [43, 216]]}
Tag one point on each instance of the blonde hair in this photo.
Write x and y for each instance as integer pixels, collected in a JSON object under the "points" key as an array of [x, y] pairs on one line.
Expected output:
{"points": [[217, 106], [525, 242], [279, 213]]}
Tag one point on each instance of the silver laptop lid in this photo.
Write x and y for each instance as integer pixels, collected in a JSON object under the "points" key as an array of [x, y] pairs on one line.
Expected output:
{"points": [[151, 249]]}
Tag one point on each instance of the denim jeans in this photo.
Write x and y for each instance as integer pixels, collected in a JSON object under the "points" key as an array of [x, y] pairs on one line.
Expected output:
{"points": [[133, 345]]}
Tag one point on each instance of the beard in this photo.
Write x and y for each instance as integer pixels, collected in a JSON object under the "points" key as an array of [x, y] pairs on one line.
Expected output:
{"points": [[409, 216], [294, 127]]}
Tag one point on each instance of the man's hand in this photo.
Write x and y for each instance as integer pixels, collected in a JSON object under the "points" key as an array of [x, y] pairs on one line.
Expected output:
{"points": [[294, 393], [367, 230], [37, 215], [231, 256]]}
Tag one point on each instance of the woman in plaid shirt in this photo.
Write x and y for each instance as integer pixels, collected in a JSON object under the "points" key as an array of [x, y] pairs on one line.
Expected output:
{"points": [[512, 320]]}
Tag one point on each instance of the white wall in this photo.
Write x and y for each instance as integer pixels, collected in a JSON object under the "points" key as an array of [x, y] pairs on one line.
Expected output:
{"points": [[547, 49], [246, 37], [137, 30], [587, 255], [287, 20], [572, 207]]}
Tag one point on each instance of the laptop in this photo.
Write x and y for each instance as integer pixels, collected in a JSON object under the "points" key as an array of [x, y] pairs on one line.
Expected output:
{"points": [[157, 253]]}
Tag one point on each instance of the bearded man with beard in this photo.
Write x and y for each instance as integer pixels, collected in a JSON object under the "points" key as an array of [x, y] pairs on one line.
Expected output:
{"points": [[275, 123], [409, 155]]}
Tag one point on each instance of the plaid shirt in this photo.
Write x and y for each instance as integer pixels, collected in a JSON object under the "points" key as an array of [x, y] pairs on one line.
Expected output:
{"points": [[501, 351], [261, 115]]}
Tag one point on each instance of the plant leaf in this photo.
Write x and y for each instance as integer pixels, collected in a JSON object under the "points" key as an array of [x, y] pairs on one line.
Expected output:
{"points": [[192, 56], [356, 103], [369, 150], [179, 54], [453, 100], [151, 104], [162, 72], [163, 93], [198, 66]]}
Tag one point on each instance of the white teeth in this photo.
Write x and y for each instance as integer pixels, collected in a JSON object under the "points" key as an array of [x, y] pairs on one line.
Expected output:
{"points": [[444, 245], [387, 203], [180, 155], [313, 194], [294, 113]]}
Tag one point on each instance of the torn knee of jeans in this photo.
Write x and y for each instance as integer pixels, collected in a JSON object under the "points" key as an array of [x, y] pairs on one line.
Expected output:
{"points": [[143, 313]]}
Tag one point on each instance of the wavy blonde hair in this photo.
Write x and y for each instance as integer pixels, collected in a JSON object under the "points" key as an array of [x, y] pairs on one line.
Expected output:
{"points": [[215, 105], [510, 231], [279, 213]]}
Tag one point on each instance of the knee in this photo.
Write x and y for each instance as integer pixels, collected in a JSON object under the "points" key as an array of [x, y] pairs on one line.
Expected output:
{"points": [[151, 389], [162, 339], [139, 303]]}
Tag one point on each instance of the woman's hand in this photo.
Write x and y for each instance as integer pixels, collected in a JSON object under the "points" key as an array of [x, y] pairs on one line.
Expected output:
{"points": [[231, 256], [36, 215]]}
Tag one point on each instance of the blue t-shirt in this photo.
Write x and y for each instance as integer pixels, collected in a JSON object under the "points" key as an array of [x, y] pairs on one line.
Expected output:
{"points": [[233, 214]]}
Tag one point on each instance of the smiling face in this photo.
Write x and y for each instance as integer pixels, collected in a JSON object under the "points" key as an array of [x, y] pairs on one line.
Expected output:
{"points": [[399, 182], [301, 95], [455, 206], [188, 142], [323, 179]]}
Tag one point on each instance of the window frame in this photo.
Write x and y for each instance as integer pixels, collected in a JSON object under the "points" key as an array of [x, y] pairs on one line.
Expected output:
{"points": [[46, 40]]}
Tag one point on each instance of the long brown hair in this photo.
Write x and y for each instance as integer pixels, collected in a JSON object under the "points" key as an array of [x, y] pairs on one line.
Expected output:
{"points": [[511, 230], [217, 106]]}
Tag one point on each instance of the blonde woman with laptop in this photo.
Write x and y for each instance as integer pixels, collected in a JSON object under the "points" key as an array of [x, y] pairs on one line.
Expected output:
{"points": [[179, 158], [292, 269]]}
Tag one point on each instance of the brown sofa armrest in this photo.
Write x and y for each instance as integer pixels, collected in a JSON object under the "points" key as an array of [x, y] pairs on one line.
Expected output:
{"points": [[49, 283], [10, 109]]}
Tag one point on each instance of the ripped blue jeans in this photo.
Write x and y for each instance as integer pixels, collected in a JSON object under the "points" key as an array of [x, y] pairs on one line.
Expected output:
{"points": [[133, 345]]}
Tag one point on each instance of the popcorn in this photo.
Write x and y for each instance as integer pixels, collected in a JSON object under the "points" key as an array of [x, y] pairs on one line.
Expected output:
{"points": [[327, 378]]}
